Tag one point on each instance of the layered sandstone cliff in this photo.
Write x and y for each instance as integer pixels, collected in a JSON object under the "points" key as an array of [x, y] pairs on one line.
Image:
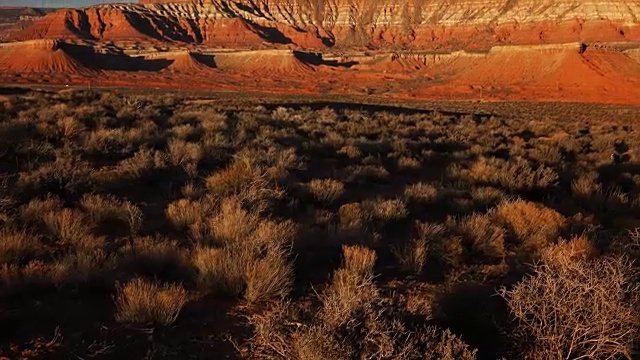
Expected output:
{"points": [[423, 24]]}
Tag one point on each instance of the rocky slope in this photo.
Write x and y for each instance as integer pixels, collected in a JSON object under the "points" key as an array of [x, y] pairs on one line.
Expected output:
{"points": [[423, 24]]}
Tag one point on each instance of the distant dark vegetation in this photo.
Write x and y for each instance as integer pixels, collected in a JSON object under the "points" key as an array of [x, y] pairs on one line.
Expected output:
{"points": [[167, 228]]}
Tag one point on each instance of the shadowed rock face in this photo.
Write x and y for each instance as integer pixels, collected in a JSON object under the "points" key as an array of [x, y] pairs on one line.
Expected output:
{"points": [[425, 24]]}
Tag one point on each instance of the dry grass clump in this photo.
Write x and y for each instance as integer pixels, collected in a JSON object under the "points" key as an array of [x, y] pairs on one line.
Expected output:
{"points": [[246, 182], [359, 259], [34, 211], [185, 154], [69, 227], [385, 210], [68, 174], [532, 226], [576, 308], [326, 191], [16, 245], [413, 254], [269, 277], [485, 238], [222, 269], [408, 163], [185, 213], [515, 175], [236, 179], [143, 301], [143, 164], [111, 214], [421, 193], [252, 259]]}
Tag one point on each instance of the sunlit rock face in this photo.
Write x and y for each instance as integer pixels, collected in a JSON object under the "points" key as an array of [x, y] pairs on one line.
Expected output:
{"points": [[421, 24]]}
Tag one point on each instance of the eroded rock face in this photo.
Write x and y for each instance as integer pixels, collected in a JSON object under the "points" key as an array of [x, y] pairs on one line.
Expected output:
{"points": [[424, 24]]}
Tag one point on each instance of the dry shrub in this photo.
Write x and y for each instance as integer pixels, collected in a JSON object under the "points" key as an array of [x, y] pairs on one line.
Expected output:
{"points": [[246, 182], [363, 174], [14, 278], [236, 179], [485, 238], [78, 267], [143, 301], [421, 193], [578, 248], [576, 309], [69, 127], [408, 163], [348, 292], [516, 174], [222, 269], [238, 270], [191, 191], [532, 226], [232, 224], [351, 214], [142, 164], [185, 213], [269, 277], [184, 154], [253, 259], [358, 259], [277, 336], [16, 245], [385, 210], [68, 173], [351, 151], [110, 213], [70, 227], [326, 190], [586, 186], [487, 196], [35, 210], [413, 254], [274, 234]]}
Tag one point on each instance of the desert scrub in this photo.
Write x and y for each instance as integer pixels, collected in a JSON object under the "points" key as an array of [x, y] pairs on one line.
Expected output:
{"points": [[326, 191], [17, 245], [576, 308], [143, 301]]}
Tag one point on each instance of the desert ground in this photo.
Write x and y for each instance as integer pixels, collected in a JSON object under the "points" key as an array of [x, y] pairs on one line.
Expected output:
{"points": [[171, 225]]}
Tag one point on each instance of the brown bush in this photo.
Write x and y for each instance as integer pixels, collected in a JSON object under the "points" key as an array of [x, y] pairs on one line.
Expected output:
{"points": [[269, 277], [184, 213], [359, 260], [421, 193], [143, 301], [486, 239], [326, 190], [515, 175], [413, 254], [348, 292], [385, 210], [17, 245], [576, 308], [531, 225], [222, 269], [69, 227]]}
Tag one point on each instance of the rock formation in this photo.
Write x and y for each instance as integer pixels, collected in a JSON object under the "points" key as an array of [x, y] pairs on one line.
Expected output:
{"points": [[575, 50], [421, 24]]}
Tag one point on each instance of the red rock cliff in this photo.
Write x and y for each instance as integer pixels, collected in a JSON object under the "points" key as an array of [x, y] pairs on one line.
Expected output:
{"points": [[423, 24]]}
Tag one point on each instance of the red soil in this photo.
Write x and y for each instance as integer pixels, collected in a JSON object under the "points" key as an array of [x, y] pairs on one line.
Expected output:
{"points": [[40, 56], [188, 63], [264, 63]]}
